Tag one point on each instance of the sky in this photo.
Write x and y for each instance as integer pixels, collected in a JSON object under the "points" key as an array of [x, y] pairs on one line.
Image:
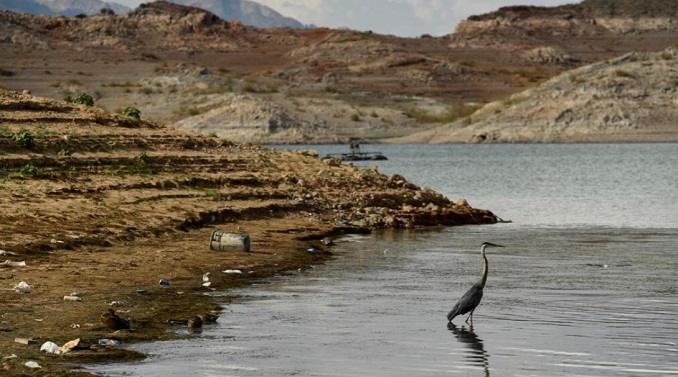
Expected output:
{"points": [[404, 18]]}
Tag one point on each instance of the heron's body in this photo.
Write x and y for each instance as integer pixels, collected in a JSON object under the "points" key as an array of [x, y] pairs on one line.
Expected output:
{"points": [[468, 302], [471, 299]]}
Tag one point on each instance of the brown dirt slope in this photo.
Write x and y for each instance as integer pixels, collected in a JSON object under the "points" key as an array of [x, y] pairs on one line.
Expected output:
{"points": [[627, 99], [106, 206]]}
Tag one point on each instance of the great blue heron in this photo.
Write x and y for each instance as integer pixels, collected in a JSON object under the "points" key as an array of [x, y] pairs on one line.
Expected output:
{"points": [[470, 300]]}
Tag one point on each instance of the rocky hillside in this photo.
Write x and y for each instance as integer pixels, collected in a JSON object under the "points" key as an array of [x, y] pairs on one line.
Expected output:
{"points": [[571, 34], [626, 99], [567, 25], [182, 65]]}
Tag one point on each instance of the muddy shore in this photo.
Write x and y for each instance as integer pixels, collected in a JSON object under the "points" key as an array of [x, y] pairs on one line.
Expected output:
{"points": [[105, 206]]}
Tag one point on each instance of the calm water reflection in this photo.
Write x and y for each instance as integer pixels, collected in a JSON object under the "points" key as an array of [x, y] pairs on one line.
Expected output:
{"points": [[476, 351], [554, 305]]}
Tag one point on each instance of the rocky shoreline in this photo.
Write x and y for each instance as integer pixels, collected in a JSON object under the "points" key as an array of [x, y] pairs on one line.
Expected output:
{"points": [[103, 207]]}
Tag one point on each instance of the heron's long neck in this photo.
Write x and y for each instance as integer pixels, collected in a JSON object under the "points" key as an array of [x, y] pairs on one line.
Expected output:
{"points": [[483, 275]]}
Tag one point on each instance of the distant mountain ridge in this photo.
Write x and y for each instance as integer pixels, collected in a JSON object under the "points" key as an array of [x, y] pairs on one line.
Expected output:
{"points": [[248, 12], [89, 7], [26, 6], [61, 7]]}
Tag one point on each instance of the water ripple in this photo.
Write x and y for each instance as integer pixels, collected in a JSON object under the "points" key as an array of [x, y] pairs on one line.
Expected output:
{"points": [[543, 314]]}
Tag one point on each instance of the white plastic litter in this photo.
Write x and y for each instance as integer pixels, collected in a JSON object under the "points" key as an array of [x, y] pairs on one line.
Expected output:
{"points": [[22, 287], [233, 272], [6, 253], [14, 264], [50, 347], [32, 364]]}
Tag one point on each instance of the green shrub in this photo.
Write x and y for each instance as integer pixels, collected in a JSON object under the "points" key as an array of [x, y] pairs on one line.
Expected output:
{"points": [[24, 138], [82, 98], [132, 112], [30, 169]]}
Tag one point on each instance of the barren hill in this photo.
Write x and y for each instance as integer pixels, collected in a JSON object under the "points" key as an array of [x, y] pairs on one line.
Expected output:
{"points": [[626, 99], [182, 64], [572, 34]]}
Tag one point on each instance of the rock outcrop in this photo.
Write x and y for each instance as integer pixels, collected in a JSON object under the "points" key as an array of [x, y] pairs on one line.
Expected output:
{"points": [[248, 119], [566, 27], [630, 98]]}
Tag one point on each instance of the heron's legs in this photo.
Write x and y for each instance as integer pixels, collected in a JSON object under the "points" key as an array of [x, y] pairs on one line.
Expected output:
{"points": [[470, 316]]}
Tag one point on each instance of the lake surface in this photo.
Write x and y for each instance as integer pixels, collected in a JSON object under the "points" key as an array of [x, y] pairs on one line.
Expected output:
{"points": [[586, 285]]}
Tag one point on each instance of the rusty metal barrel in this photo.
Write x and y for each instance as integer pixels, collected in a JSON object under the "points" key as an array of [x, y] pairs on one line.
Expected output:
{"points": [[222, 241]]}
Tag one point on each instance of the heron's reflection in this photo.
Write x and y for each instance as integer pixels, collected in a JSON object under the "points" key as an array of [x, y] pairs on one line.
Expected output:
{"points": [[477, 355]]}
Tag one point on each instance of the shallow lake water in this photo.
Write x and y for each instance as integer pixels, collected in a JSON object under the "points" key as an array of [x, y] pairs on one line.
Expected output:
{"points": [[586, 285]]}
